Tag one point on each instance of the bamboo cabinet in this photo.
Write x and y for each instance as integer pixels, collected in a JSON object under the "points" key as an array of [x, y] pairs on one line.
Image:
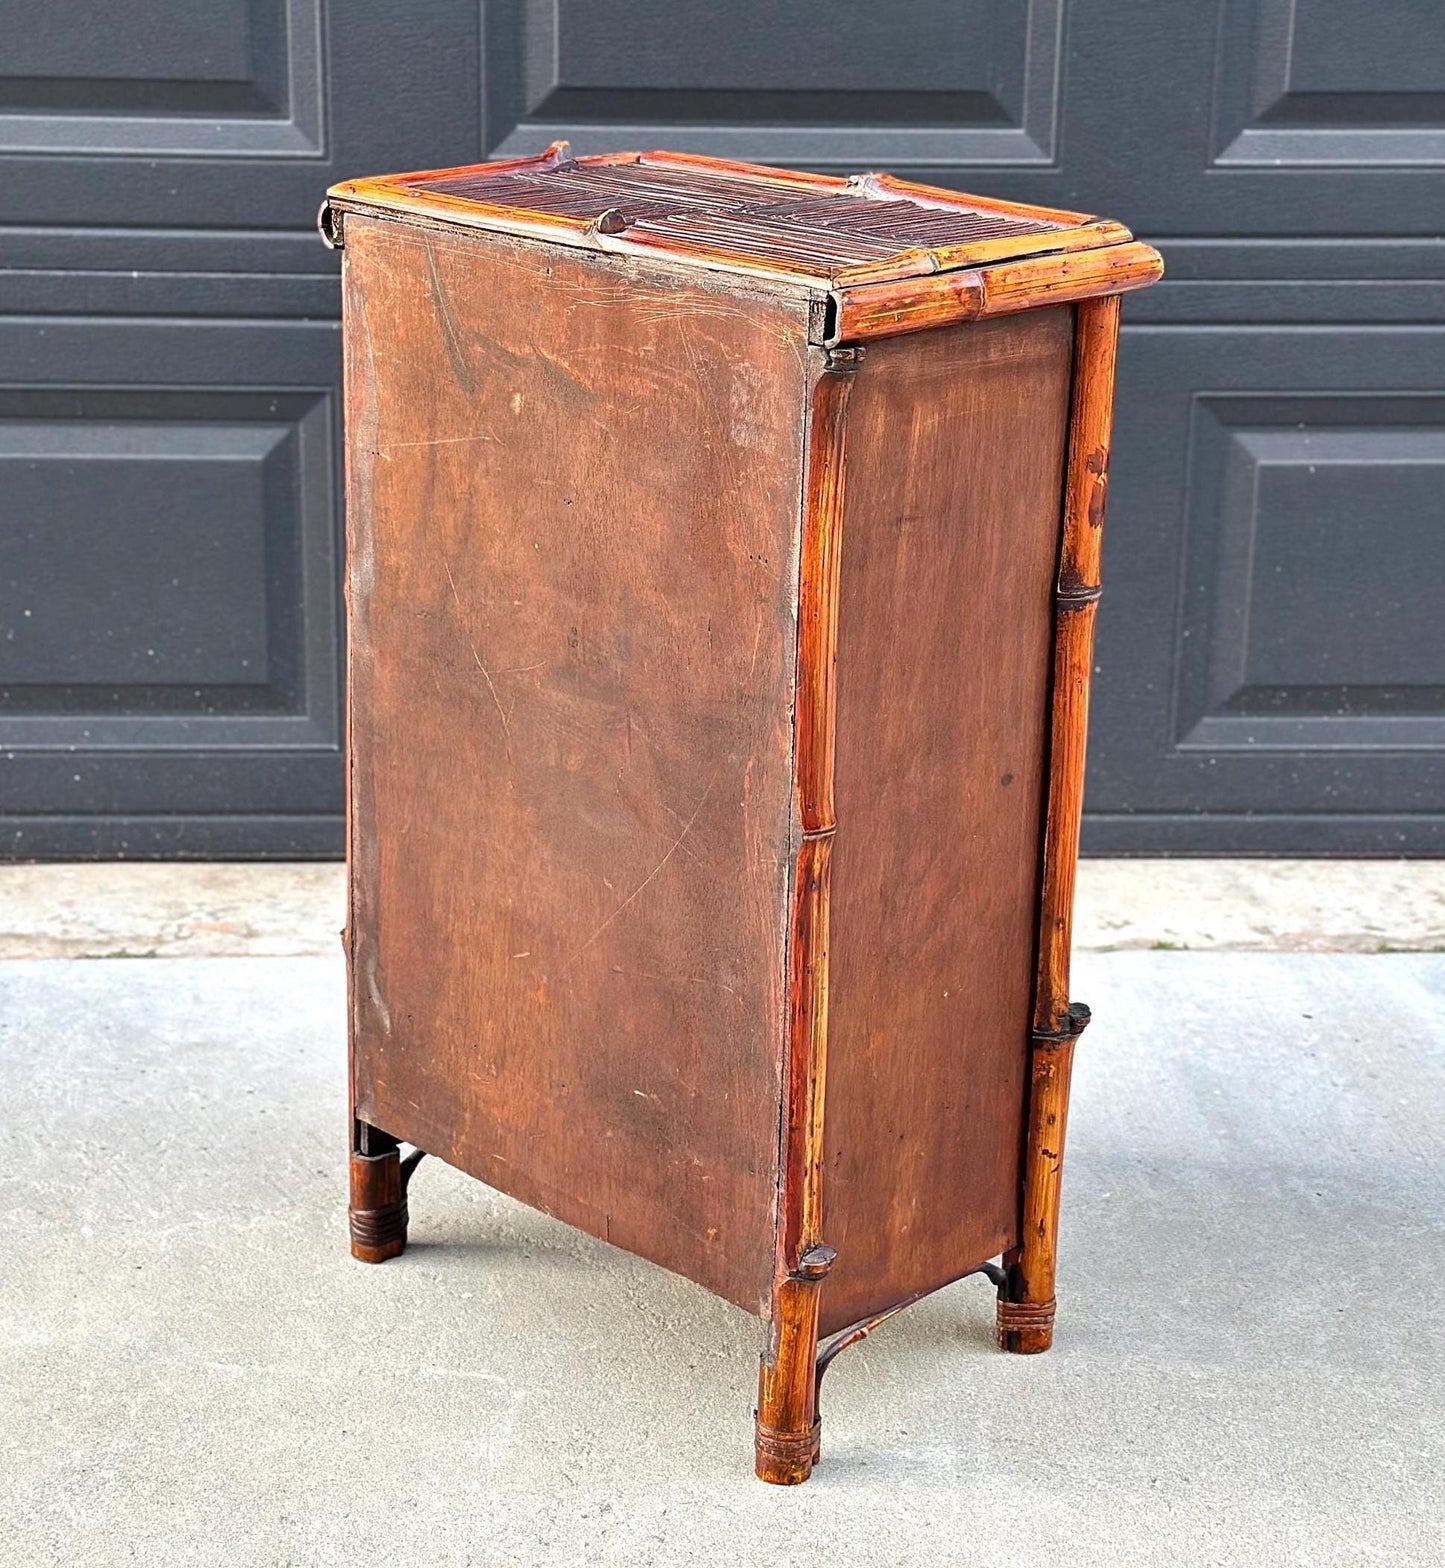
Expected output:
{"points": [[723, 551]]}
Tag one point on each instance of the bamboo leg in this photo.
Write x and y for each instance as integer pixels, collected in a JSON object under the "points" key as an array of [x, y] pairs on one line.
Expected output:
{"points": [[787, 1434], [786, 1445], [378, 1213], [1026, 1305]]}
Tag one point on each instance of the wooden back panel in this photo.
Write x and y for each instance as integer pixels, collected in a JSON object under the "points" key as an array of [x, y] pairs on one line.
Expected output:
{"points": [[951, 524], [574, 494]]}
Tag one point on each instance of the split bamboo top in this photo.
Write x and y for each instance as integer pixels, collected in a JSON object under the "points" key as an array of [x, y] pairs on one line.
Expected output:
{"points": [[880, 256]]}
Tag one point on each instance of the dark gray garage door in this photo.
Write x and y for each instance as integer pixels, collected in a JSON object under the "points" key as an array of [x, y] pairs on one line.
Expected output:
{"points": [[1271, 660]]}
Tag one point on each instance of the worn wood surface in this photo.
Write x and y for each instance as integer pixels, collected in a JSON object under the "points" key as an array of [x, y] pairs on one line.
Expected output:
{"points": [[953, 464], [573, 503], [879, 245], [708, 211]]}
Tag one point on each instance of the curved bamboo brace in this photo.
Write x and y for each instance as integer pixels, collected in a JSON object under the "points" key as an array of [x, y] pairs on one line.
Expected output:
{"points": [[840, 1341]]}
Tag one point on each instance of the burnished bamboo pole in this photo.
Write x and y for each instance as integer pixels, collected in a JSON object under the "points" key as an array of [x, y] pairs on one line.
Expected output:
{"points": [[786, 1445], [1026, 1307], [903, 304]]}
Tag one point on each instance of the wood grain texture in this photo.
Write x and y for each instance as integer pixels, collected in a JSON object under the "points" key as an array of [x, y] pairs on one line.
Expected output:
{"points": [[574, 497], [953, 464]]}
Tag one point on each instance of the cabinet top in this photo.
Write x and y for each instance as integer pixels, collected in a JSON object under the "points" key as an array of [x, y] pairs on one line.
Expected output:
{"points": [[820, 232]]}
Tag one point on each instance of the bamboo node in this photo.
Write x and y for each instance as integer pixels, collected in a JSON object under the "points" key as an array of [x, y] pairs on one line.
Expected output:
{"points": [[376, 1228], [789, 1451], [1076, 1020], [815, 1262], [1018, 1316], [1077, 598]]}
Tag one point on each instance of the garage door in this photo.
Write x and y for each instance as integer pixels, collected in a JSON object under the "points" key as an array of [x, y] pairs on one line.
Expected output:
{"points": [[1271, 666]]}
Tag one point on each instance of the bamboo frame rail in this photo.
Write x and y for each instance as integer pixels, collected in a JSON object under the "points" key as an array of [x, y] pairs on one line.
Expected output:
{"points": [[1026, 1308], [786, 1439]]}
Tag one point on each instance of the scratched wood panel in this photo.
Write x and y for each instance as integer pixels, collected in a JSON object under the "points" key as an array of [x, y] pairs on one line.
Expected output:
{"points": [[954, 454], [574, 497]]}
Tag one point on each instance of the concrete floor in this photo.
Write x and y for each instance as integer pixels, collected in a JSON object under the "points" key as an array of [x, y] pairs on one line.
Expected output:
{"points": [[1249, 1366], [274, 910]]}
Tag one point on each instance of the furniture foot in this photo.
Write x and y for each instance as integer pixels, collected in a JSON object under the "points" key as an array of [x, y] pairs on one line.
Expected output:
{"points": [[379, 1180], [1026, 1300], [1025, 1327], [787, 1432]]}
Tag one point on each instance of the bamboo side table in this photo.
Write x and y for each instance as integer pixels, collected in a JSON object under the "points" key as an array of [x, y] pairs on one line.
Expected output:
{"points": [[723, 553]]}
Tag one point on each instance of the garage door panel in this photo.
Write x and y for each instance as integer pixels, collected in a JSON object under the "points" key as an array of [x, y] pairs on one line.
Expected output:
{"points": [[168, 561], [1270, 644], [1269, 673]]}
